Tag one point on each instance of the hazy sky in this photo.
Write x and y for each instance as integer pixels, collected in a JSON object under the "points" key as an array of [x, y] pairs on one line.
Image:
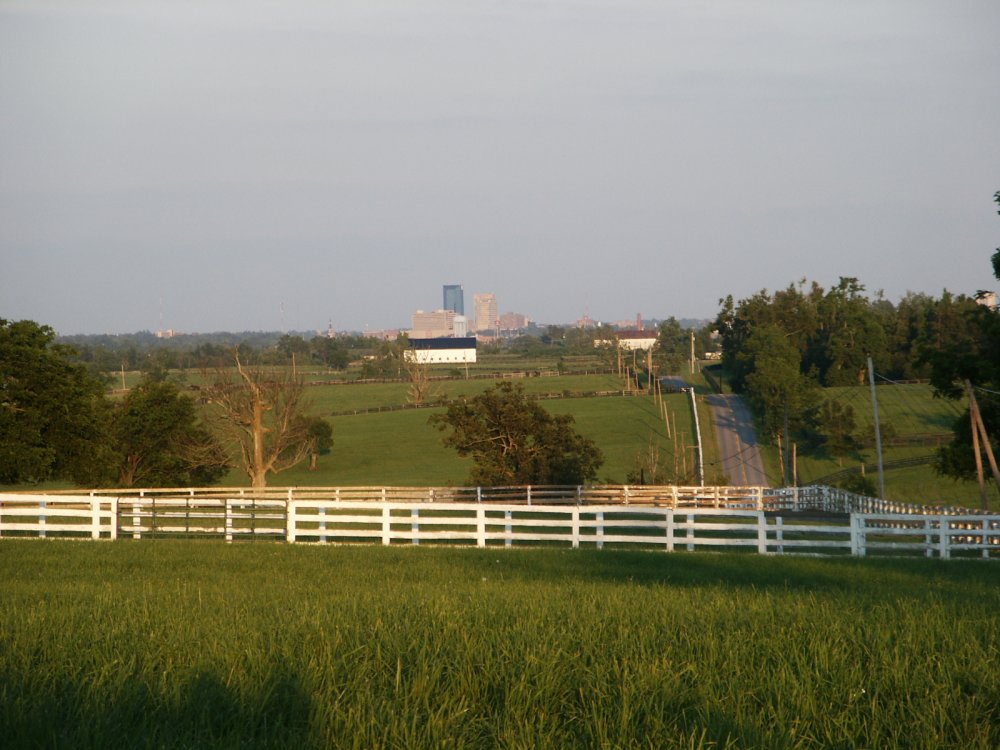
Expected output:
{"points": [[248, 164]]}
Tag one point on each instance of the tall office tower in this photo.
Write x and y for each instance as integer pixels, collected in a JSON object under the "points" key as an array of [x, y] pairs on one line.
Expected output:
{"points": [[454, 299], [433, 325], [486, 312]]}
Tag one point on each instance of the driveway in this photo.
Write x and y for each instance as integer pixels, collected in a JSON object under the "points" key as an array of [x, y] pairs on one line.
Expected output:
{"points": [[737, 438]]}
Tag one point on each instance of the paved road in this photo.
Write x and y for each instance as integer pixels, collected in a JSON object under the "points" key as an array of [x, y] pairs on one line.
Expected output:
{"points": [[737, 438]]}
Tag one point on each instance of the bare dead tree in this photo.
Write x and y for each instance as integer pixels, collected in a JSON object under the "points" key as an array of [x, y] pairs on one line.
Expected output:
{"points": [[420, 389], [261, 412]]}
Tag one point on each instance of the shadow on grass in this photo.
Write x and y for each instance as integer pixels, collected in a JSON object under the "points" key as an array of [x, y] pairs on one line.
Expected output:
{"points": [[205, 713], [881, 577]]}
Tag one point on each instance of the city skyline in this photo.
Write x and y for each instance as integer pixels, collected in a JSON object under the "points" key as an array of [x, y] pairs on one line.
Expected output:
{"points": [[222, 166]]}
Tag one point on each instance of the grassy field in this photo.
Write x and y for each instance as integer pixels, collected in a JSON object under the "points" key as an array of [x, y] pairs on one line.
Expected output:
{"points": [[904, 410], [401, 448], [188, 644]]}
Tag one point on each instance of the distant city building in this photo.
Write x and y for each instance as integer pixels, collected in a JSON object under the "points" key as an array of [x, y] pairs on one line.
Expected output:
{"points": [[386, 334], [454, 298], [435, 351], [487, 319], [432, 325], [511, 321], [167, 334], [586, 322], [630, 340], [460, 328], [631, 325]]}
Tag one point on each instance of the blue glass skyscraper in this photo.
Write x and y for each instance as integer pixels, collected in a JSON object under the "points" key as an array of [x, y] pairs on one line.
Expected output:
{"points": [[454, 299]]}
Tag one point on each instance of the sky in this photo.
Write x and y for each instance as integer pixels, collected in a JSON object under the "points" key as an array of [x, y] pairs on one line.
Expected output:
{"points": [[234, 165]]}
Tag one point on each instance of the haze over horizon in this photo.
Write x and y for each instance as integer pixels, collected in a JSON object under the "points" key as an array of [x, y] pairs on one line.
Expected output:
{"points": [[263, 165]]}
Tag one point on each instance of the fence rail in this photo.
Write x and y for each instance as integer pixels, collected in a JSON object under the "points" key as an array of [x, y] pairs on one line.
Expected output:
{"points": [[816, 520]]}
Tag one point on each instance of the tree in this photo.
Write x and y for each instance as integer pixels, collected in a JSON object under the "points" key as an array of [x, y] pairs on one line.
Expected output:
{"points": [[969, 351], [53, 413], [330, 352], [321, 436], [838, 423], [158, 440], [261, 412], [513, 440], [775, 386]]}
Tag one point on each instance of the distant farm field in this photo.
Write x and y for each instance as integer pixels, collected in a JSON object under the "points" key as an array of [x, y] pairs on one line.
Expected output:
{"points": [[401, 448], [198, 644]]}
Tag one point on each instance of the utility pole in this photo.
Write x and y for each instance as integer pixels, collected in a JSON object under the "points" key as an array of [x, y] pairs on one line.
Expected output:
{"points": [[979, 431], [692, 352], [785, 464], [878, 431]]}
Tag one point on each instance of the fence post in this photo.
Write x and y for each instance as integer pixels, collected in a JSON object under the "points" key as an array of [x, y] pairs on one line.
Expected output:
{"points": [[761, 533], [114, 517], [229, 520], [576, 528], [322, 525], [857, 535], [529, 494], [42, 517], [943, 538], [779, 534], [290, 519], [986, 539], [689, 521], [928, 545], [507, 529], [480, 527], [670, 529], [415, 525], [600, 529], [386, 525], [95, 518]]}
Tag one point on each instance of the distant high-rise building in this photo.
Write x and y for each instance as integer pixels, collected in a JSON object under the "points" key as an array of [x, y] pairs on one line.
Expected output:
{"points": [[511, 321], [432, 325], [454, 298], [486, 312]]}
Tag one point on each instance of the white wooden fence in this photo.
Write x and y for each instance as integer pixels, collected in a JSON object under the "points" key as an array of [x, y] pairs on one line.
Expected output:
{"points": [[817, 521]]}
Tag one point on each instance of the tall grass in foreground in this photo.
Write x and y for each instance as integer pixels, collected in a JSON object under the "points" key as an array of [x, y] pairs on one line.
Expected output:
{"points": [[195, 644]]}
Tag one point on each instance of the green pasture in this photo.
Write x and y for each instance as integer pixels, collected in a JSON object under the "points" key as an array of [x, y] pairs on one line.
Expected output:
{"points": [[905, 410], [326, 400], [402, 448], [204, 645]]}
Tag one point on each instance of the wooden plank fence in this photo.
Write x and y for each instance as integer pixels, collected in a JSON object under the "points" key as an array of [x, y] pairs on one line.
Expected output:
{"points": [[668, 518]]}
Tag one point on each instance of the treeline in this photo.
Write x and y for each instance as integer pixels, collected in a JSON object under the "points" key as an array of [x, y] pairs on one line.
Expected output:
{"points": [[58, 422], [148, 353], [831, 333], [780, 348]]}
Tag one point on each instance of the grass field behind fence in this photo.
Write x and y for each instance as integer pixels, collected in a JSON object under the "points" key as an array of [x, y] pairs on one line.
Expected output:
{"points": [[402, 448], [197, 644]]}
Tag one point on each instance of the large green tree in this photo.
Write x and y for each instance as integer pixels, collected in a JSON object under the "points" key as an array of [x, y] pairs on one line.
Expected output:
{"points": [[514, 441], [53, 412], [969, 352], [775, 386], [159, 441]]}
